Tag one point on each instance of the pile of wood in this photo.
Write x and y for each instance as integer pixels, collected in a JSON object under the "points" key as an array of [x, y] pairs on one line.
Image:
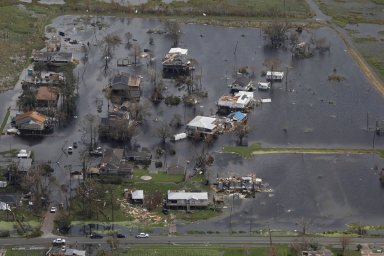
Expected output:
{"points": [[139, 213]]}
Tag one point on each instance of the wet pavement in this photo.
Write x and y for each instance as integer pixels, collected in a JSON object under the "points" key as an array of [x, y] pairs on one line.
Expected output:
{"points": [[307, 111]]}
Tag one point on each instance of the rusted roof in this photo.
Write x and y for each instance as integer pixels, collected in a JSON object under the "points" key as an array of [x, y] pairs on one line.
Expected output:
{"points": [[47, 93], [34, 115], [134, 81]]}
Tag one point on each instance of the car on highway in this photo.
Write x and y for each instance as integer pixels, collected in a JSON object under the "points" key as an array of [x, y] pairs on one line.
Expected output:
{"points": [[58, 241], [120, 236], [95, 236], [53, 209], [142, 235]]}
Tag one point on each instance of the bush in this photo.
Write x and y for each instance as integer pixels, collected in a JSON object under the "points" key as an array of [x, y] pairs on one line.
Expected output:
{"points": [[172, 100], [158, 164], [4, 233]]}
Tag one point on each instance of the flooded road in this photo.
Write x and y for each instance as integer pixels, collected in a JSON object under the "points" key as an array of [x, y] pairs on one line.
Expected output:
{"points": [[307, 110]]}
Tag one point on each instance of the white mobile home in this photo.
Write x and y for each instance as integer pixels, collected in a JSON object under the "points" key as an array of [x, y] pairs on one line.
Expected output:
{"points": [[275, 76]]}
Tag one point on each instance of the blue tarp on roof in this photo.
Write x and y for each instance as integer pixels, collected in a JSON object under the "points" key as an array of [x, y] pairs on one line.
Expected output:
{"points": [[237, 116]]}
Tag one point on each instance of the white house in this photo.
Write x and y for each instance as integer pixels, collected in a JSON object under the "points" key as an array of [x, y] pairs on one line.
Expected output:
{"points": [[187, 199], [275, 75], [202, 124], [241, 100]]}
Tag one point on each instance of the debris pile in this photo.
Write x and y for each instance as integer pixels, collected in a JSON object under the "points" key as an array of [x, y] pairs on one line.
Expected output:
{"points": [[244, 184], [139, 213]]}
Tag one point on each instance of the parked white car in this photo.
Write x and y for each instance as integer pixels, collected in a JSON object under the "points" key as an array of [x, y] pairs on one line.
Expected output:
{"points": [[53, 209], [58, 241], [142, 235], [264, 86]]}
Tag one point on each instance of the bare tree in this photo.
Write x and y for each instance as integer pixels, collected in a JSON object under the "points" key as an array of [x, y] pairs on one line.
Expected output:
{"points": [[128, 37], [37, 181], [136, 53], [241, 131], [89, 129], [276, 33], [173, 30], [345, 241], [177, 121], [139, 111], [109, 43], [153, 200], [163, 131]]}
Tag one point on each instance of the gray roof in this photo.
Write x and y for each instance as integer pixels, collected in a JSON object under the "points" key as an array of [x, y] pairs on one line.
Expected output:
{"points": [[120, 82], [138, 195], [182, 195], [74, 252], [203, 122]]}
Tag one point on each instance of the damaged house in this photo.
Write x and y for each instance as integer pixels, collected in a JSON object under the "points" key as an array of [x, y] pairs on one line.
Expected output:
{"points": [[47, 96], [176, 62], [240, 101], [202, 125], [182, 199], [113, 164], [31, 122], [127, 86], [53, 58], [242, 83]]}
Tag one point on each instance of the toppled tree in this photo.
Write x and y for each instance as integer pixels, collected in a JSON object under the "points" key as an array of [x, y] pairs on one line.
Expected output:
{"points": [[276, 33]]}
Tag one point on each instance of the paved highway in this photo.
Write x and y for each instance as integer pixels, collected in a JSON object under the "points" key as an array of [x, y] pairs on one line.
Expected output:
{"points": [[229, 241]]}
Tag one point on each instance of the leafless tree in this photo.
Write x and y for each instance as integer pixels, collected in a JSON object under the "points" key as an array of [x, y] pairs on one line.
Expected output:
{"points": [[109, 44], [345, 241], [128, 37], [89, 129], [139, 111], [177, 121], [153, 200], [163, 131], [136, 53], [276, 33], [38, 181], [173, 30], [241, 131]]}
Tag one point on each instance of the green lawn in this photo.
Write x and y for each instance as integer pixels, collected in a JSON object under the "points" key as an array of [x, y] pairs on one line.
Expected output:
{"points": [[196, 251], [25, 252], [258, 149]]}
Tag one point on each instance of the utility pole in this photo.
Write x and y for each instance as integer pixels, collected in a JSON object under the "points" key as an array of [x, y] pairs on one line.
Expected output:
{"points": [[286, 79], [270, 236]]}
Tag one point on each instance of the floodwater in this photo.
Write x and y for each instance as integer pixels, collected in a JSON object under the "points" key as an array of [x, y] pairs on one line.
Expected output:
{"points": [[306, 111]]}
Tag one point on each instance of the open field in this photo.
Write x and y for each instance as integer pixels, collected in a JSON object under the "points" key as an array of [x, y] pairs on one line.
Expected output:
{"points": [[21, 31], [362, 18], [204, 251]]}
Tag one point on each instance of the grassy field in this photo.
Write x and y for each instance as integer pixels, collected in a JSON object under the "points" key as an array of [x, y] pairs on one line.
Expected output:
{"points": [[203, 251], [258, 149], [25, 252], [355, 12], [20, 32]]}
